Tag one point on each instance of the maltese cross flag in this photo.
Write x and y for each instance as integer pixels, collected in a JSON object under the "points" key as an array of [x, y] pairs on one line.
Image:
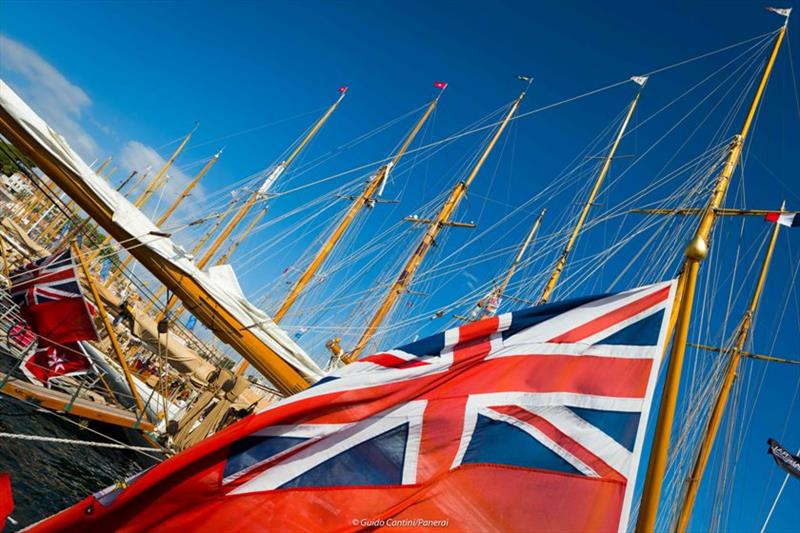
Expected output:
{"points": [[525, 421]]}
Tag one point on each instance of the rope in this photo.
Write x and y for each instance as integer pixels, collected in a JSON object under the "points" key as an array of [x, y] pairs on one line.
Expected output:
{"points": [[40, 438]]}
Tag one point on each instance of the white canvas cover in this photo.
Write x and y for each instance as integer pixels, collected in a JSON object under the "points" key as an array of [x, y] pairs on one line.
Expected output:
{"points": [[139, 225]]}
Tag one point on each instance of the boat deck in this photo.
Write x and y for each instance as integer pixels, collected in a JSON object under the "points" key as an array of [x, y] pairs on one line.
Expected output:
{"points": [[79, 407]]}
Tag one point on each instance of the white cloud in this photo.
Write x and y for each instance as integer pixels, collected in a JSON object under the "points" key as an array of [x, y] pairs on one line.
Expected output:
{"points": [[49, 93], [64, 106], [138, 156]]}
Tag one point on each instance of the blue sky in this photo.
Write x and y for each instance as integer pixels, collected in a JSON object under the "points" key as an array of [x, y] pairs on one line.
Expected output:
{"points": [[128, 79]]}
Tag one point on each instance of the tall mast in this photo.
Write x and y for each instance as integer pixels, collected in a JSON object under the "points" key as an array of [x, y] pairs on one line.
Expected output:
{"points": [[365, 199], [742, 334], [158, 180], [163, 218], [195, 250], [103, 165], [262, 191], [242, 236], [136, 183], [562, 260], [695, 253], [435, 226], [498, 292], [229, 252]]}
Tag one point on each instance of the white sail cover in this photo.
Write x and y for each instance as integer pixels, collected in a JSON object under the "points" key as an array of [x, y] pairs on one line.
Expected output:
{"points": [[139, 225]]}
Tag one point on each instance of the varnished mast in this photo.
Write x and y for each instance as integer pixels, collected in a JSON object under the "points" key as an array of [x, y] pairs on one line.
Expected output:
{"points": [[562, 260], [714, 421], [434, 227], [695, 253], [498, 292], [261, 192], [158, 180], [160, 177], [365, 199], [196, 249], [171, 209]]}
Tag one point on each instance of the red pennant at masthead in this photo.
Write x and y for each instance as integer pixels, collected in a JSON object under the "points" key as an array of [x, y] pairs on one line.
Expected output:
{"points": [[440, 84]]}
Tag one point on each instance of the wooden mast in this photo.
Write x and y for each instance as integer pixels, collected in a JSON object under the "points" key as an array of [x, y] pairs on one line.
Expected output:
{"points": [[721, 402], [229, 252], [195, 250], [500, 290], [233, 329], [262, 191], [442, 219], [562, 260], [365, 199], [159, 179], [695, 253], [163, 218], [112, 336]]}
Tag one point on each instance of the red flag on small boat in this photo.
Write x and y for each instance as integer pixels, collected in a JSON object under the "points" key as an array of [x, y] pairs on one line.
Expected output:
{"points": [[550, 401], [440, 84], [53, 361], [51, 300]]}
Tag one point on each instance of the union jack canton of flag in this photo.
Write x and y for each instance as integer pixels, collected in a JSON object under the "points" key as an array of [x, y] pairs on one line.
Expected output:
{"points": [[526, 421]]}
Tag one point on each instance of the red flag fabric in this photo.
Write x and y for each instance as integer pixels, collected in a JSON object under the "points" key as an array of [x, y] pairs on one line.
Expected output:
{"points": [[49, 362], [343, 89], [439, 84], [6, 498], [525, 421], [51, 300]]}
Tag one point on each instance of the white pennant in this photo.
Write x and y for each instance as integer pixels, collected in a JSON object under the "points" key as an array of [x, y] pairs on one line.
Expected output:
{"points": [[785, 12], [641, 80]]}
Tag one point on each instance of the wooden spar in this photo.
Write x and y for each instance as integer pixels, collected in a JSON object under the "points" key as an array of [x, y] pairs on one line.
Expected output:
{"points": [[157, 180], [227, 327], [103, 165], [721, 401], [156, 183], [696, 252], [6, 269], [171, 209], [79, 407], [112, 336], [261, 192], [518, 259], [365, 199], [195, 250], [721, 212], [750, 355], [241, 237], [136, 183], [413, 263], [127, 180], [500, 290], [230, 251], [562, 260]]}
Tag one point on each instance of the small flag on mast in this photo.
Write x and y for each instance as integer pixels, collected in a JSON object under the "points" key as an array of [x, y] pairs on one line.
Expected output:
{"points": [[343, 89], [791, 220], [524, 78], [440, 85], [640, 80], [784, 12]]}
